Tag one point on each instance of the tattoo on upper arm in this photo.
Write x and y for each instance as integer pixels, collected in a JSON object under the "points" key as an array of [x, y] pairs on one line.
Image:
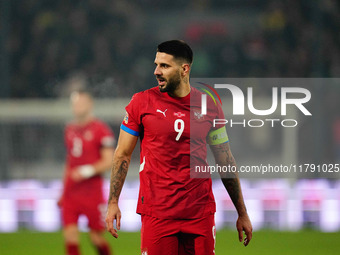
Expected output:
{"points": [[117, 179], [223, 154]]}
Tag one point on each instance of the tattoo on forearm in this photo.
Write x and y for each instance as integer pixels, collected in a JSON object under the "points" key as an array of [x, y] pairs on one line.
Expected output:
{"points": [[230, 180], [233, 187], [118, 174]]}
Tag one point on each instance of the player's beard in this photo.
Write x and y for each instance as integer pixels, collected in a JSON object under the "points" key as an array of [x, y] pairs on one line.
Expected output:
{"points": [[172, 84]]}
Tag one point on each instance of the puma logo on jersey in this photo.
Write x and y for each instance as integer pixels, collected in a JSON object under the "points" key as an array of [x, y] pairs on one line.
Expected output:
{"points": [[162, 112]]}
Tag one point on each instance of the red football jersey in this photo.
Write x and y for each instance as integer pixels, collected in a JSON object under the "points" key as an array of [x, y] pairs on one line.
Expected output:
{"points": [[168, 146], [83, 144]]}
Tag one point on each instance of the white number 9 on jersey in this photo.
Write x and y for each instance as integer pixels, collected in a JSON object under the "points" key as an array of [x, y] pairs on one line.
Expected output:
{"points": [[179, 127]]}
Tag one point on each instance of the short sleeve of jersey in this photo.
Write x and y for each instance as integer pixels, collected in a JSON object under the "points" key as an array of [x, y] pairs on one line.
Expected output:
{"points": [[218, 133], [106, 137], [219, 114], [131, 122]]}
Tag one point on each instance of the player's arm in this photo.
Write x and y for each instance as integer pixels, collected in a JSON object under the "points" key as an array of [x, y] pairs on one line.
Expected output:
{"points": [[106, 154], [100, 166], [61, 198], [231, 182], [120, 165]]}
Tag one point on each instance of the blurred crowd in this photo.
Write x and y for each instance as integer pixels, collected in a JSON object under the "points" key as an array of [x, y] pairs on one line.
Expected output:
{"points": [[112, 43]]}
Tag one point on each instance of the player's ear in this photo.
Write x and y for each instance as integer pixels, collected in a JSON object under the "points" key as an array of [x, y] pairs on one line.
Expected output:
{"points": [[185, 69]]}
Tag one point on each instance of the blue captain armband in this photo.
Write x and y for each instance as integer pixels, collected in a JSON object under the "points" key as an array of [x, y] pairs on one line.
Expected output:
{"points": [[218, 136], [129, 130]]}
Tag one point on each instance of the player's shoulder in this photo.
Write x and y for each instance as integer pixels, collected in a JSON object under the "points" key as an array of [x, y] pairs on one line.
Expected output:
{"points": [[153, 91], [149, 92], [195, 92], [95, 123], [99, 127], [196, 96], [145, 95]]}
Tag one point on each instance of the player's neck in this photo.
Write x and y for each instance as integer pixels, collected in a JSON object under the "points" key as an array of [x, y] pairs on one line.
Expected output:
{"points": [[182, 90], [82, 121]]}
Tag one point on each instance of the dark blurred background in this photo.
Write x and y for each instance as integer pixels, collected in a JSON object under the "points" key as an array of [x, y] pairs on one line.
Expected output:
{"points": [[113, 42]]}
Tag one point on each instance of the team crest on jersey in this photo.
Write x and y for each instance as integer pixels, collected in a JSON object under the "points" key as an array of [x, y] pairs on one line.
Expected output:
{"points": [[198, 115], [88, 135], [145, 251], [126, 118], [179, 114]]}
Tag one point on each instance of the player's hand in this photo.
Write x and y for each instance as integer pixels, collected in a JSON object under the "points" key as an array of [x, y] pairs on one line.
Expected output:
{"points": [[60, 202], [243, 224], [113, 213], [76, 176]]}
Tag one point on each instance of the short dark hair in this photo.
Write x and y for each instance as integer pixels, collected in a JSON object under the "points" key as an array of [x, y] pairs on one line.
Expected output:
{"points": [[177, 48], [84, 91]]}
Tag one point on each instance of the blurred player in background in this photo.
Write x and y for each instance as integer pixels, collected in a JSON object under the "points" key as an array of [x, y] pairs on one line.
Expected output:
{"points": [[90, 147], [177, 210]]}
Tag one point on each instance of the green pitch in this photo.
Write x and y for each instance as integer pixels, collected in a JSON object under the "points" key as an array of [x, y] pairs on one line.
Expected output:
{"points": [[263, 243]]}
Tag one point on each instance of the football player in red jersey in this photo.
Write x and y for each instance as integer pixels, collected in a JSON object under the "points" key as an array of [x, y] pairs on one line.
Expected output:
{"points": [[90, 147], [177, 210]]}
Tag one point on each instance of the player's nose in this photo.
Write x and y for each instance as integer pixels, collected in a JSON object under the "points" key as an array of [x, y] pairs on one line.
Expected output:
{"points": [[157, 71]]}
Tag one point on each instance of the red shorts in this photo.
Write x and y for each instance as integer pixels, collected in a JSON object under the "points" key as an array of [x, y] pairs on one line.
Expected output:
{"points": [[93, 210], [169, 237]]}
